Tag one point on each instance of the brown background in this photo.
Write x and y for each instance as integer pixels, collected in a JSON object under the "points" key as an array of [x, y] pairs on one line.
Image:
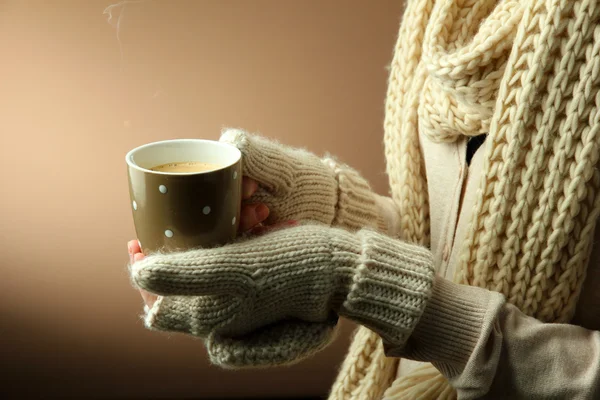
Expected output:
{"points": [[311, 73]]}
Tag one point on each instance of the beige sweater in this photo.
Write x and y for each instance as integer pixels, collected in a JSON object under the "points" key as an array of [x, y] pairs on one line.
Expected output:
{"points": [[520, 221], [490, 348]]}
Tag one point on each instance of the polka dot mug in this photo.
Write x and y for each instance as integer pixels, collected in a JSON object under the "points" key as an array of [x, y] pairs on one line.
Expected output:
{"points": [[182, 208]]}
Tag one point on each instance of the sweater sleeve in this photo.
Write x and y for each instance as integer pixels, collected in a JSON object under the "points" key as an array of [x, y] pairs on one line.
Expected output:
{"points": [[488, 348]]}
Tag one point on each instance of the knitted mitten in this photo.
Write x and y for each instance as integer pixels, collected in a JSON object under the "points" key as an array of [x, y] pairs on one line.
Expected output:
{"points": [[275, 298], [297, 185]]}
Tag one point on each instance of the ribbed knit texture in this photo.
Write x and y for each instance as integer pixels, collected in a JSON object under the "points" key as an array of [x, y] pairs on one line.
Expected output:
{"points": [[526, 73], [449, 327], [297, 185], [273, 299]]}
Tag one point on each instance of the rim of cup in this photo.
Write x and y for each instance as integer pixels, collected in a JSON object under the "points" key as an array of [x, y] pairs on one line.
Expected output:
{"points": [[129, 157]]}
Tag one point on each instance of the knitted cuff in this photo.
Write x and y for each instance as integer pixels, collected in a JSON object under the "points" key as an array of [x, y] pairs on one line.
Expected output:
{"points": [[452, 325], [284, 343], [356, 207], [390, 288]]}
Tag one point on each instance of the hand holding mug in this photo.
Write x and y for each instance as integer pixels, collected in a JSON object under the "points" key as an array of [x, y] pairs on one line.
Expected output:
{"points": [[251, 216]]}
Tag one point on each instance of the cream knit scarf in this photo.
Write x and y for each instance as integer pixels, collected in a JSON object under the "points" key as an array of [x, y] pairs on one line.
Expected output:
{"points": [[528, 74]]}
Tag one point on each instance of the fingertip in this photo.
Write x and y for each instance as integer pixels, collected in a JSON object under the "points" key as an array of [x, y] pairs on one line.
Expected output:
{"points": [[134, 246], [249, 187], [262, 212], [248, 217], [138, 257], [130, 246]]}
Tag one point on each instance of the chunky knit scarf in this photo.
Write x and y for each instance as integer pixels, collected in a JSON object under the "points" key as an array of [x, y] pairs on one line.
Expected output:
{"points": [[527, 73]]}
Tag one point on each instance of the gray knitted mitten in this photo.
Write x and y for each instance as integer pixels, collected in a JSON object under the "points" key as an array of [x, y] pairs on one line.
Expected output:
{"points": [[297, 185], [274, 299]]}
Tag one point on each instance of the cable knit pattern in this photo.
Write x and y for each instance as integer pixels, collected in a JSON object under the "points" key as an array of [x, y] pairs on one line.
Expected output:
{"points": [[297, 185], [527, 73], [252, 297]]}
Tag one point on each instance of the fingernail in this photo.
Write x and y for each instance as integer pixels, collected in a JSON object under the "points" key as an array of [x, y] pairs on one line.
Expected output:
{"points": [[262, 212]]}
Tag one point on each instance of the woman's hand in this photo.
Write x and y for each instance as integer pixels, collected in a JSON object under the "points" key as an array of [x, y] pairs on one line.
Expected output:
{"points": [[297, 185], [135, 254], [252, 214], [251, 217], [274, 298]]}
